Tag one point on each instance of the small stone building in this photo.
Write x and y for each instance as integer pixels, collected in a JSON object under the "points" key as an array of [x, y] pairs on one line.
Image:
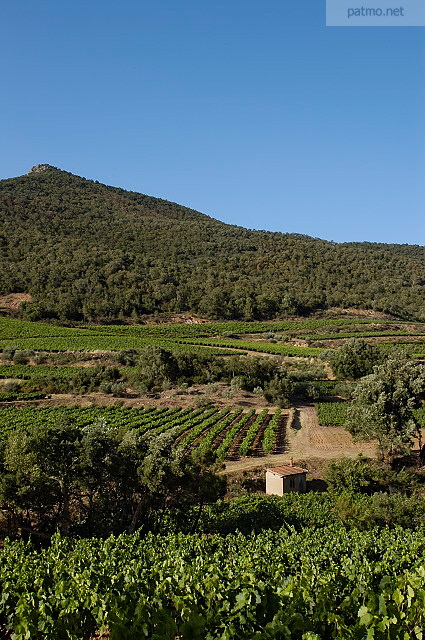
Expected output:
{"points": [[285, 479]]}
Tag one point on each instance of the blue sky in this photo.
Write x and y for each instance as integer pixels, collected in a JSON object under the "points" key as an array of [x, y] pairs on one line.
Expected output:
{"points": [[255, 114]]}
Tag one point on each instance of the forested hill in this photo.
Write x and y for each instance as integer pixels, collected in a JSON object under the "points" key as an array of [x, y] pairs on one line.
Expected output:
{"points": [[88, 251]]}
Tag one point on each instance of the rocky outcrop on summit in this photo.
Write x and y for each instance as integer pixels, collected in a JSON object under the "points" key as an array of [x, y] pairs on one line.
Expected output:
{"points": [[38, 168]]}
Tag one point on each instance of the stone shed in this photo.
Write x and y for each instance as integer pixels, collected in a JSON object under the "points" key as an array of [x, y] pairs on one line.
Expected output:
{"points": [[285, 479]]}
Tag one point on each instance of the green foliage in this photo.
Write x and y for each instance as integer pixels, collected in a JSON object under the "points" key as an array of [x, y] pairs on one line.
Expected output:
{"points": [[157, 365], [393, 329], [205, 430], [344, 389], [207, 443], [113, 253], [279, 391], [100, 478], [253, 513], [231, 434], [310, 585], [12, 386], [269, 436], [380, 509], [332, 413], [264, 347], [21, 356], [27, 372], [355, 359], [8, 396], [383, 406], [245, 446], [215, 425], [251, 371], [362, 475], [420, 415], [181, 339], [315, 389], [50, 337], [304, 370]]}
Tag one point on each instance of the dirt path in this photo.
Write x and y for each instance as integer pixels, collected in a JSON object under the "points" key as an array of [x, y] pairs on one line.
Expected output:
{"points": [[305, 439]]}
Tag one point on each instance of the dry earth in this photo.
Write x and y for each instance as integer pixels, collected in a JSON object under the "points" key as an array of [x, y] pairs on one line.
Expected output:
{"points": [[306, 439], [13, 301], [216, 394]]}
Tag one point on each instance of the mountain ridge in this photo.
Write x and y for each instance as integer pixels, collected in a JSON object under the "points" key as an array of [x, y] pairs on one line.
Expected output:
{"points": [[85, 250], [43, 167]]}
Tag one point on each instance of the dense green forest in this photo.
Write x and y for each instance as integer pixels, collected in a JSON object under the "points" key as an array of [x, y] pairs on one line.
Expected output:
{"points": [[86, 251]]}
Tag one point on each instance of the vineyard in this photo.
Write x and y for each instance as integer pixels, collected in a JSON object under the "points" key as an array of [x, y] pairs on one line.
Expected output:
{"points": [[11, 328], [336, 413], [198, 338], [83, 342], [135, 432], [331, 413], [7, 396], [389, 333], [230, 433], [263, 347], [28, 372], [315, 584]]}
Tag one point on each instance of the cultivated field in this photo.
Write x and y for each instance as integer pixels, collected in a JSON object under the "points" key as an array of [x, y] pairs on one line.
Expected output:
{"points": [[241, 426]]}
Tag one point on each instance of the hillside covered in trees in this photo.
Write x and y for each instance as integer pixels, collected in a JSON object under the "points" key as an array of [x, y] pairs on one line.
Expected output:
{"points": [[86, 251]]}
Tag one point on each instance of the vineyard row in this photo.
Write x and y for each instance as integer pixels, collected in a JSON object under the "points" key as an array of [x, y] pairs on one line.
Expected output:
{"points": [[229, 433], [336, 413], [314, 584]]}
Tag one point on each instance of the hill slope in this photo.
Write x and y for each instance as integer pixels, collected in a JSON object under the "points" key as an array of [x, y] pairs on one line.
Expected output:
{"points": [[85, 251]]}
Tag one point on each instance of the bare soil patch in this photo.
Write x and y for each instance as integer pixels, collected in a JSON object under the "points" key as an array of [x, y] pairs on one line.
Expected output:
{"points": [[13, 301], [355, 313], [194, 396], [306, 439]]}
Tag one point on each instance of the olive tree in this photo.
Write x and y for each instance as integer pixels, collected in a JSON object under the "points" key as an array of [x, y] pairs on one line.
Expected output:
{"points": [[383, 407]]}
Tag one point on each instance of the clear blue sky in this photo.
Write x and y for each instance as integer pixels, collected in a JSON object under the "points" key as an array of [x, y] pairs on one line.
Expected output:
{"points": [[254, 113]]}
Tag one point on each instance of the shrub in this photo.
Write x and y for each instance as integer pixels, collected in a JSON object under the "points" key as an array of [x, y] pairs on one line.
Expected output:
{"points": [[278, 391], [363, 475]]}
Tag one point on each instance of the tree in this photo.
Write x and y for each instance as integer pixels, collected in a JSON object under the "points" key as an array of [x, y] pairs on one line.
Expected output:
{"points": [[157, 365], [279, 391], [363, 475], [40, 467], [254, 371], [383, 407], [355, 359], [171, 478], [99, 479]]}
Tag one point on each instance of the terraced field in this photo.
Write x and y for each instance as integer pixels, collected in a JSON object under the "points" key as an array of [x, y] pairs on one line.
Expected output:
{"points": [[247, 432], [263, 336]]}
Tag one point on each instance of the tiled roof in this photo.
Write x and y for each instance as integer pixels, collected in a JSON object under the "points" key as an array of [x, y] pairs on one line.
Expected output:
{"points": [[287, 470]]}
